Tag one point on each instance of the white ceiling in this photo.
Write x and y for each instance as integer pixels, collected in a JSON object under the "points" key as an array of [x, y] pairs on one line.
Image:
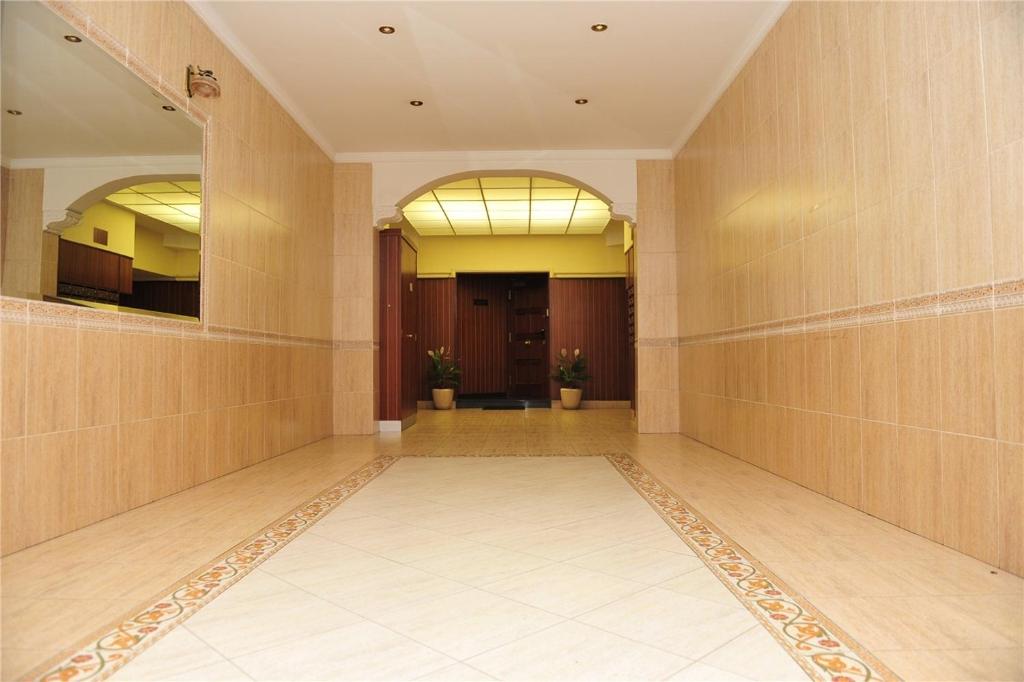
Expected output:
{"points": [[494, 75], [77, 101]]}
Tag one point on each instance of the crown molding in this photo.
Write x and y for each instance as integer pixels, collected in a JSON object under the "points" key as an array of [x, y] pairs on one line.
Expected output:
{"points": [[223, 32], [770, 18]]}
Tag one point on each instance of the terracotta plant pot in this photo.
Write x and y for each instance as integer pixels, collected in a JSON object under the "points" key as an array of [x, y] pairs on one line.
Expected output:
{"points": [[571, 398], [443, 398]]}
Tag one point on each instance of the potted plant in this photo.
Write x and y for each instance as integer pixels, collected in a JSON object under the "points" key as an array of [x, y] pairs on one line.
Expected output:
{"points": [[570, 372], [443, 374]]}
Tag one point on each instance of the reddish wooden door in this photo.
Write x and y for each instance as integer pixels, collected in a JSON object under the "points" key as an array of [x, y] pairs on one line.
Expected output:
{"points": [[528, 337], [410, 332], [482, 333]]}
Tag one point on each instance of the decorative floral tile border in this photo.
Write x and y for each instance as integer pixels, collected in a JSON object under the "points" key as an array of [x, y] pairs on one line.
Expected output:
{"points": [[821, 649], [104, 654]]}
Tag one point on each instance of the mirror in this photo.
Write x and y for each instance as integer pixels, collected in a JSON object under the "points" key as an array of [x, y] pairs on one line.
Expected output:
{"points": [[100, 194]]}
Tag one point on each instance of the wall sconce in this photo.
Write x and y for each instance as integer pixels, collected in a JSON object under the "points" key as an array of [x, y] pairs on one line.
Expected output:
{"points": [[201, 82]]}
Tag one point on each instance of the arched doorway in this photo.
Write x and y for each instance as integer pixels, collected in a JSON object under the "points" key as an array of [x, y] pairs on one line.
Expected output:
{"points": [[511, 266]]}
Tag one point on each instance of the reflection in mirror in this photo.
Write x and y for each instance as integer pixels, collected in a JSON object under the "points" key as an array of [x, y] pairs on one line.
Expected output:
{"points": [[100, 197]]}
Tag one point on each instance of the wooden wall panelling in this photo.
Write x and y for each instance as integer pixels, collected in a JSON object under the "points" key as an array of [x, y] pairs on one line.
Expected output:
{"points": [[591, 314], [437, 323]]}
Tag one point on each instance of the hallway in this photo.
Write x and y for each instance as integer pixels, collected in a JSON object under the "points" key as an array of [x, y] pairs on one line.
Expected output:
{"points": [[421, 561]]}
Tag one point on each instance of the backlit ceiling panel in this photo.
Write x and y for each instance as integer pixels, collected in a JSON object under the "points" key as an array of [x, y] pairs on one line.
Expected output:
{"points": [[175, 203], [507, 205]]}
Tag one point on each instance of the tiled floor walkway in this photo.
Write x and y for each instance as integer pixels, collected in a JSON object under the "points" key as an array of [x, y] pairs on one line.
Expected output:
{"points": [[533, 568], [924, 610]]}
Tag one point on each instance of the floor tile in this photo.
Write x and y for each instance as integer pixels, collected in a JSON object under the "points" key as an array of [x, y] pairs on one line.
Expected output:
{"points": [[364, 651], [377, 592], [467, 623], [574, 651], [641, 564], [241, 627], [755, 654], [683, 625], [564, 589], [178, 653]]}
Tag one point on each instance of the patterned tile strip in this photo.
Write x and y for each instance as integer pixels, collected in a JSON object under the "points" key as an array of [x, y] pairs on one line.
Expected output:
{"points": [[104, 655], [823, 650]]}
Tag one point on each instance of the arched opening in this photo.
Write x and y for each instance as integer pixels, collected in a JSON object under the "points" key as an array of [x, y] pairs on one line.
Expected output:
{"points": [[503, 269]]}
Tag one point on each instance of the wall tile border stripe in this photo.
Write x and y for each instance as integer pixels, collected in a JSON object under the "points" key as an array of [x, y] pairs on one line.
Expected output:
{"points": [[1008, 294], [21, 311], [821, 649]]}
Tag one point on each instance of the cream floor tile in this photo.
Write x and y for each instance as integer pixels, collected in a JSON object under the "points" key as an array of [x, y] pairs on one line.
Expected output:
{"points": [[564, 589], [326, 563], [476, 564], [178, 653], [641, 564], [225, 671], [376, 592], [701, 672], [574, 651], [467, 623], [755, 654], [460, 672], [663, 539], [702, 584], [674, 622], [246, 626], [554, 544], [363, 651]]}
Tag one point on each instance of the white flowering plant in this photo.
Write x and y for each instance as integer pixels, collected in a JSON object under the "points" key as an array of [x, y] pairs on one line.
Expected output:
{"points": [[443, 371], [570, 370]]}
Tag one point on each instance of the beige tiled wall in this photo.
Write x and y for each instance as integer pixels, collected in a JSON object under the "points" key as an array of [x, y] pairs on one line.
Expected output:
{"points": [[850, 226], [355, 290], [21, 205], [102, 412], [656, 303]]}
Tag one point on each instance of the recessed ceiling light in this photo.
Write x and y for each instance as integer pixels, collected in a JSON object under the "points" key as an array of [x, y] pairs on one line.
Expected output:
{"points": [[599, 28], [168, 107], [72, 39], [581, 100], [387, 30], [416, 102]]}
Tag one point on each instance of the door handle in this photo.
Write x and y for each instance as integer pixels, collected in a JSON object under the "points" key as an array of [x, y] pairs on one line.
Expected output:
{"points": [[410, 336]]}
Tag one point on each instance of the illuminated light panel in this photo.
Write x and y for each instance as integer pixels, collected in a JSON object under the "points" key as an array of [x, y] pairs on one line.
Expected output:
{"points": [[176, 203], [507, 205]]}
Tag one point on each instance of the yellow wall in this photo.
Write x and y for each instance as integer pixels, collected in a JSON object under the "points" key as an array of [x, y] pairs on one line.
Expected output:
{"points": [[119, 224], [128, 239], [556, 254], [151, 255]]}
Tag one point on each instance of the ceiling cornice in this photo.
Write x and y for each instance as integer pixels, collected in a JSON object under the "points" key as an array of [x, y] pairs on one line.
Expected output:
{"points": [[231, 41], [769, 20], [503, 155]]}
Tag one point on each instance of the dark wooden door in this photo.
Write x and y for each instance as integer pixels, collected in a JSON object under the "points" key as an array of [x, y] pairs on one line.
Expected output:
{"points": [[482, 333], [410, 332], [528, 337]]}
